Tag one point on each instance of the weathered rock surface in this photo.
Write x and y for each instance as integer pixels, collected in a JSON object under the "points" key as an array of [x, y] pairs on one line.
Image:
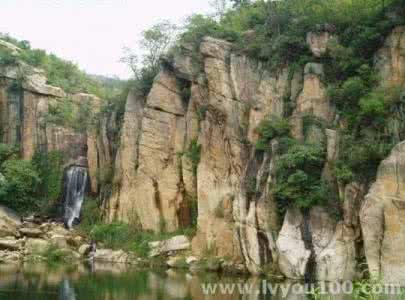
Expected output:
{"points": [[149, 170], [390, 60], [108, 255], [382, 219], [315, 243], [175, 243], [318, 42]]}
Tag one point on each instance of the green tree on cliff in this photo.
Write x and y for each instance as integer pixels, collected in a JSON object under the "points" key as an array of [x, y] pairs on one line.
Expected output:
{"points": [[155, 42]]}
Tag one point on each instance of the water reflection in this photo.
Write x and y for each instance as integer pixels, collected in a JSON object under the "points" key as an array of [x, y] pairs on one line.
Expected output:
{"points": [[117, 282], [66, 292]]}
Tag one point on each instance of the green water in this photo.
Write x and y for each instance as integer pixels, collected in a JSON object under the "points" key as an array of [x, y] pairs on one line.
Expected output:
{"points": [[103, 282], [117, 282]]}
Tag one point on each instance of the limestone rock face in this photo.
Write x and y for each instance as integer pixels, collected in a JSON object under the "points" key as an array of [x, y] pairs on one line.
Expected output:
{"points": [[126, 160], [193, 139], [153, 192], [382, 219], [390, 60], [293, 256], [313, 97], [315, 243]]}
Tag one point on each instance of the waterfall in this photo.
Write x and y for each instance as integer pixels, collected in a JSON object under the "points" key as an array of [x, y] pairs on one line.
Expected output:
{"points": [[75, 182]]}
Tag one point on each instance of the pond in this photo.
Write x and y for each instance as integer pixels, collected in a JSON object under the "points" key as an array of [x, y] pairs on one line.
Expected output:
{"points": [[117, 282]]}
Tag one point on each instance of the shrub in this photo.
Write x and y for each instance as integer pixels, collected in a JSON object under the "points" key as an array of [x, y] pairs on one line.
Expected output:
{"points": [[90, 214], [193, 153], [298, 177], [373, 108], [7, 152], [343, 173], [123, 236], [270, 129], [55, 255], [361, 155], [20, 186], [6, 58], [49, 167]]}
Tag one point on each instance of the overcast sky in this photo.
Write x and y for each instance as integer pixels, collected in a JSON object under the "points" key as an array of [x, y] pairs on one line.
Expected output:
{"points": [[91, 33]]}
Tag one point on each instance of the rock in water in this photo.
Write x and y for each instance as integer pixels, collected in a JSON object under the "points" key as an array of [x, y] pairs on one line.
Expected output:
{"points": [[74, 189]]}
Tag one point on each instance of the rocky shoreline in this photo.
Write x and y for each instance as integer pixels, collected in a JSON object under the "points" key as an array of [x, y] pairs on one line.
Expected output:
{"points": [[33, 240]]}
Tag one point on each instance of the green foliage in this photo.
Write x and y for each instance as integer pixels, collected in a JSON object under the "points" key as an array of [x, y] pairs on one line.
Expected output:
{"points": [[298, 177], [154, 43], [361, 155], [49, 167], [122, 236], [65, 112], [198, 26], [19, 185], [59, 72], [7, 152], [114, 235], [270, 129], [90, 215], [7, 58], [193, 205], [55, 255], [193, 153], [343, 173]]}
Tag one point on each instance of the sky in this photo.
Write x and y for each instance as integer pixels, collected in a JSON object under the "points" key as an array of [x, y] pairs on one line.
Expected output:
{"points": [[91, 33]]}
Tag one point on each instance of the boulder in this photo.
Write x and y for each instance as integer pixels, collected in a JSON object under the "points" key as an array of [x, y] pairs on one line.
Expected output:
{"points": [[174, 262], [8, 244], [36, 245], [9, 221], [108, 255], [9, 257], [83, 249], [191, 259], [31, 232], [176, 243], [59, 240]]}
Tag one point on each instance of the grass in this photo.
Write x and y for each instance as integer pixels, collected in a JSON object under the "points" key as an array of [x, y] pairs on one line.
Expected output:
{"points": [[117, 235]]}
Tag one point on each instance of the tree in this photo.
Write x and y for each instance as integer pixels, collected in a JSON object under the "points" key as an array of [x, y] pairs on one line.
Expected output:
{"points": [[237, 3], [154, 42], [145, 66], [219, 7]]}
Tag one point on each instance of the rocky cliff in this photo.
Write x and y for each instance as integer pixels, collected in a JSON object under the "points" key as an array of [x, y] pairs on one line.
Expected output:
{"points": [[193, 139], [27, 117]]}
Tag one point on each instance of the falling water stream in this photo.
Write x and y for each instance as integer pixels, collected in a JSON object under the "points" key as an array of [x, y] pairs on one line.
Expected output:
{"points": [[73, 195]]}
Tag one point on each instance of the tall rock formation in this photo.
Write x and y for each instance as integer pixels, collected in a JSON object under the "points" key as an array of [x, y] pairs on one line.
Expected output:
{"points": [[382, 213], [383, 219], [194, 137]]}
